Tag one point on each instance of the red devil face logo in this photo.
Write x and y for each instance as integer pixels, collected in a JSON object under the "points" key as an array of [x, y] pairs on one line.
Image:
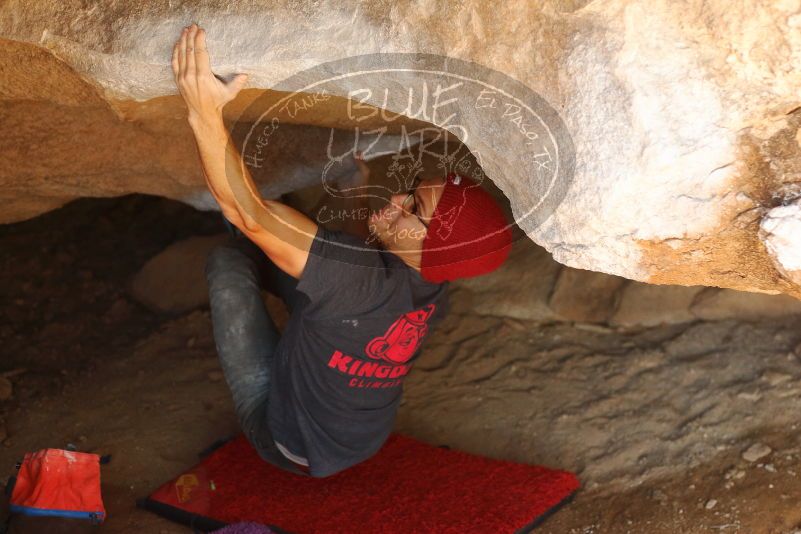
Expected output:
{"points": [[401, 340]]}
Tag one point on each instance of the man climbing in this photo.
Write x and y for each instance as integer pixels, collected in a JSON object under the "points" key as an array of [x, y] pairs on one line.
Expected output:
{"points": [[323, 396]]}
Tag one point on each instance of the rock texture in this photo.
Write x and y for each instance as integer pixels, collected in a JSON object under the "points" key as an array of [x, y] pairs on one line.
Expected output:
{"points": [[174, 280], [531, 287], [534, 287], [650, 305], [581, 295], [684, 116]]}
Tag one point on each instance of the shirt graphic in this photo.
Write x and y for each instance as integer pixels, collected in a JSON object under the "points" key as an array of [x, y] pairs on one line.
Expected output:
{"points": [[401, 340], [395, 347]]}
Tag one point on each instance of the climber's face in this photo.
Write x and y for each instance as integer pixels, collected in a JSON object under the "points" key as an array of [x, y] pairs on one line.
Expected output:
{"points": [[401, 225]]}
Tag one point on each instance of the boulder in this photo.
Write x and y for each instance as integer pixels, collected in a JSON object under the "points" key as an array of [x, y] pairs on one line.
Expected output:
{"points": [[715, 303], [683, 118], [651, 305], [519, 288], [585, 296], [174, 280]]}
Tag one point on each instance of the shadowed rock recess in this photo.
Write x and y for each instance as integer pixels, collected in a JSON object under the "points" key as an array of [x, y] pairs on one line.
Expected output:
{"points": [[684, 117]]}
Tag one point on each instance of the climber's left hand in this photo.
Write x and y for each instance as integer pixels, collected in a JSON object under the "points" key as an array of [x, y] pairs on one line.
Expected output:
{"points": [[204, 94]]}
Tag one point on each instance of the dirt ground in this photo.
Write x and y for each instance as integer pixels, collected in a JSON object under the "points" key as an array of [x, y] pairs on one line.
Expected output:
{"points": [[654, 421]]}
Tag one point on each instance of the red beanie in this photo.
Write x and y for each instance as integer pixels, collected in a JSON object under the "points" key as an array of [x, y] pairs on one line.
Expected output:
{"points": [[468, 234]]}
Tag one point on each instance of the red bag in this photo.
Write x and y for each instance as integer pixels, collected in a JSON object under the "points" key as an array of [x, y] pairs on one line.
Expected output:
{"points": [[61, 483]]}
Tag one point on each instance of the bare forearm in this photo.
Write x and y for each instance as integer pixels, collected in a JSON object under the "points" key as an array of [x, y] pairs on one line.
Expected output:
{"points": [[229, 183], [281, 232], [284, 233]]}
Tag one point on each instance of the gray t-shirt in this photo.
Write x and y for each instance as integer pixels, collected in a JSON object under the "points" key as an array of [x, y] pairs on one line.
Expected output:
{"points": [[337, 376]]}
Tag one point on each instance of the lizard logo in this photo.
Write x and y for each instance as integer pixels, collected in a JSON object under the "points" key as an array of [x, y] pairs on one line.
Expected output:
{"points": [[402, 338]]}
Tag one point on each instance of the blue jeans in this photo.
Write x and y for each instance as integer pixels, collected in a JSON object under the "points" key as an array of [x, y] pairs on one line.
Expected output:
{"points": [[246, 336]]}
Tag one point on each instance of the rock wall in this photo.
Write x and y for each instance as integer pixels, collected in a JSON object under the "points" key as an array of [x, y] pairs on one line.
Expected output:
{"points": [[530, 287], [684, 116]]}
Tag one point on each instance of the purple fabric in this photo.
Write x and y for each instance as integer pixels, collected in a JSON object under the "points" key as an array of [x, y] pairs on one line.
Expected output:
{"points": [[244, 528]]}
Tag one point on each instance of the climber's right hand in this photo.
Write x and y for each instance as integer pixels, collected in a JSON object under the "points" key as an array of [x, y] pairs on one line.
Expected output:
{"points": [[204, 94]]}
